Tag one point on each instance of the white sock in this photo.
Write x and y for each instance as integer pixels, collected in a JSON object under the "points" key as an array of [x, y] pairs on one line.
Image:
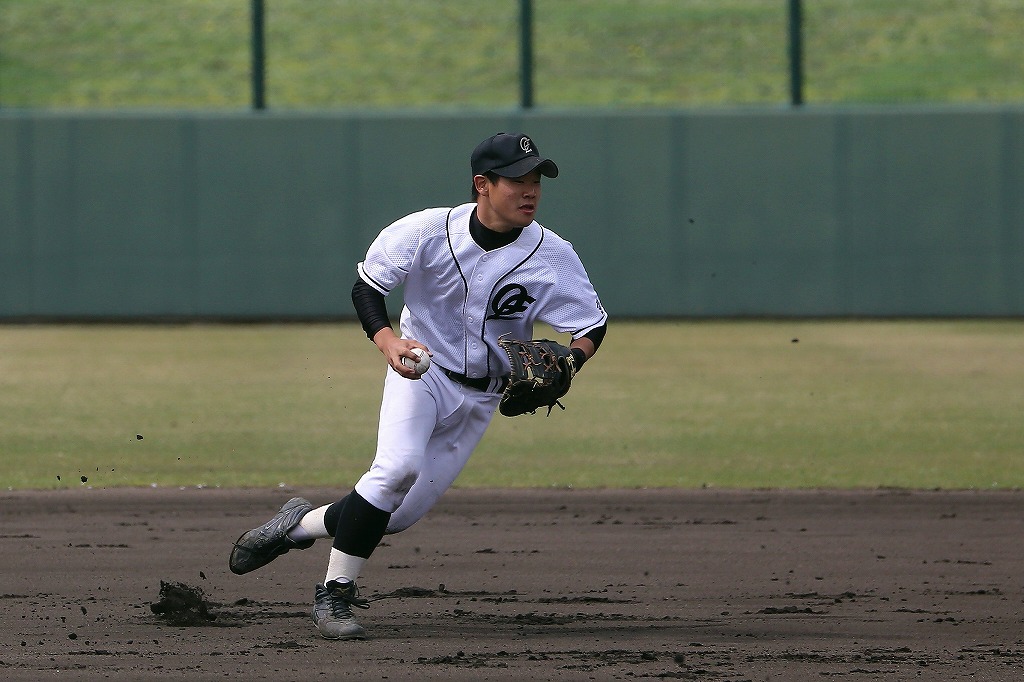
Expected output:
{"points": [[343, 567], [311, 526]]}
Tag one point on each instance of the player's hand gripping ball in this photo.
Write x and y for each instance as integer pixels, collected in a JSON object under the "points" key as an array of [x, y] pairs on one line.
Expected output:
{"points": [[419, 366]]}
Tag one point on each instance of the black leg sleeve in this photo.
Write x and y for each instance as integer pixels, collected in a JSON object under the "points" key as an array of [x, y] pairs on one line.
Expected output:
{"points": [[333, 514], [359, 526]]}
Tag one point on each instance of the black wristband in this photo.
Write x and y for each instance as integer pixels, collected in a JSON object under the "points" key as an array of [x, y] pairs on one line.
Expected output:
{"points": [[579, 356]]}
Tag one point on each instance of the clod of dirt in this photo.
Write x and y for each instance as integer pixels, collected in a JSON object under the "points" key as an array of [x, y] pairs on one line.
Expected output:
{"points": [[182, 604]]}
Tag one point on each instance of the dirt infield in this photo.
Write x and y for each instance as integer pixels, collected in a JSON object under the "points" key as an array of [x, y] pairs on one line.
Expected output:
{"points": [[528, 585]]}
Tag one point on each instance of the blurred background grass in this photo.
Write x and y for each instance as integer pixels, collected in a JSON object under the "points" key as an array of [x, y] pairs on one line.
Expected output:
{"points": [[109, 54], [922, 404]]}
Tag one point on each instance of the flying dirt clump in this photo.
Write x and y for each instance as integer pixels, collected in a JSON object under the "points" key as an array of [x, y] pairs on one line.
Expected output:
{"points": [[182, 604]]}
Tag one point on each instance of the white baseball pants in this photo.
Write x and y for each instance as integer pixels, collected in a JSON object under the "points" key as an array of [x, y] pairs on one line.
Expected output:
{"points": [[428, 429]]}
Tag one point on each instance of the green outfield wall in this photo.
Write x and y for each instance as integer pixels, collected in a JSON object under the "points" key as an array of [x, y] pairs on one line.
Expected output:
{"points": [[753, 212]]}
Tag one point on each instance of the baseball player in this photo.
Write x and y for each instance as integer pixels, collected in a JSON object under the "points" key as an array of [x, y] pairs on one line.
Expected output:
{"points": [[471, 275]]}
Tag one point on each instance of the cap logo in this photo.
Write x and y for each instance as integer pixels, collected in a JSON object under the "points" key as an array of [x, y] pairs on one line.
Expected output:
{"points": [[526, 144]]}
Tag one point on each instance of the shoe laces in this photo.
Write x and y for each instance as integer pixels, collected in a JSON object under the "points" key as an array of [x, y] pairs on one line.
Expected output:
{"points": [[344, 595]]}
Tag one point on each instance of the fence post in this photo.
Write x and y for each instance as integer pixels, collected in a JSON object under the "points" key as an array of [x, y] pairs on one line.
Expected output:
{"points": [[526, 54], [796, 53], [258, 56]]}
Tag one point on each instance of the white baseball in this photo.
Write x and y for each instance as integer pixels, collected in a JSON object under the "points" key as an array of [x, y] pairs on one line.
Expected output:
{"points": [[419, 366]]}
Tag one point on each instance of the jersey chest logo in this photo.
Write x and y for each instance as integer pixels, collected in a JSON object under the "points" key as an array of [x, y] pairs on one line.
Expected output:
{"points": [[510, 302]]}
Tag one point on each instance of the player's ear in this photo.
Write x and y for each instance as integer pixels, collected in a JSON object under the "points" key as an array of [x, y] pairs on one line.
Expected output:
{"points": [[480, 183]]}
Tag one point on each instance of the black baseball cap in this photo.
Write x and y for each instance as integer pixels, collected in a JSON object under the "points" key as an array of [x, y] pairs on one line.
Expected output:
{"points": [[510, 155]]}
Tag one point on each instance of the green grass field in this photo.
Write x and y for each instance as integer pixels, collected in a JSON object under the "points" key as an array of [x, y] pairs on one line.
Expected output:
{"points": [[925, 404], [445, 53]]}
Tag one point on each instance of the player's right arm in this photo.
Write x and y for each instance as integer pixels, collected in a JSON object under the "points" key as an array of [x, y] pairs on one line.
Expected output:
{"points": [[373, 315]]}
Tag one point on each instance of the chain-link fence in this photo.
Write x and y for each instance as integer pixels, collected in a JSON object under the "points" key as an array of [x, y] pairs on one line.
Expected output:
{"points": [[111, 54]]}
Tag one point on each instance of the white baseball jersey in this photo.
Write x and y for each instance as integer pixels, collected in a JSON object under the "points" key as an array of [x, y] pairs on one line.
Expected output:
{"points": [[459, 299]]}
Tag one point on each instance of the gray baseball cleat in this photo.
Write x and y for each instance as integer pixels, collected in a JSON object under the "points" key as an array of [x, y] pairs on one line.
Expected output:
{"points": [[259, 546], [332, 611]]}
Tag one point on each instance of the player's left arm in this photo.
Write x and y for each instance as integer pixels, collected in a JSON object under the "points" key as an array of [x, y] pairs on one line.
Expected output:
{"points": [[586, 346]]}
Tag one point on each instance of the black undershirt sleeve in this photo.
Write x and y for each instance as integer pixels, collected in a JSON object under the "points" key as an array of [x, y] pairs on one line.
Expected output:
{"points": [[596, 336], [370, 307]]}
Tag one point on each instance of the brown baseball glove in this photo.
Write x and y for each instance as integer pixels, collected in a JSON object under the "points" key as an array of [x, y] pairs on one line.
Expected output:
{"points": [[542, 372]]}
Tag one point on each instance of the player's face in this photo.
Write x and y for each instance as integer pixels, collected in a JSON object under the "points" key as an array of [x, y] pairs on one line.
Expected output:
{"points": [[510, 202]]}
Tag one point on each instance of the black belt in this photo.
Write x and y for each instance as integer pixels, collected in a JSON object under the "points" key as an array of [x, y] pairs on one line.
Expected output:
{"points": [[480, 384]]}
